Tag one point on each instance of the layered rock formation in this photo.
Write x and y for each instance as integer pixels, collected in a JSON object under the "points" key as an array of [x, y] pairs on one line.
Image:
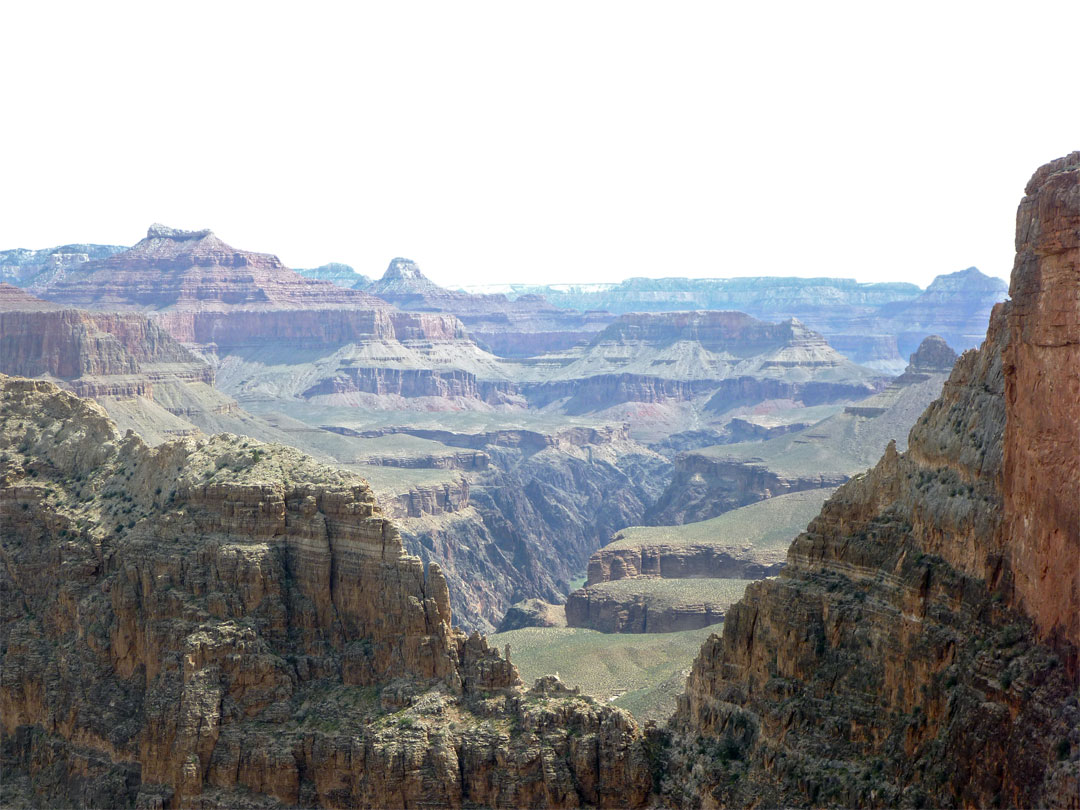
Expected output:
{"points": [[80, 347], [14, 298], [652, 604], [716, 346], [146, 381], [724, 359], [411, 383], [194, 271], [704, 486], [523, 327], [712, 480], [536, 513], [37, 268], [920, 647], [763, 297], [671, 578], [336, 273], [873, 324], [955, 306], [532, 613], [745, 543], [220, 623]]}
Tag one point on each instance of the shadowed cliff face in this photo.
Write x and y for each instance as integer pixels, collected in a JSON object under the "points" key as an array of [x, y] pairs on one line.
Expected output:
{"points": [[920, 647], [224, 623]]}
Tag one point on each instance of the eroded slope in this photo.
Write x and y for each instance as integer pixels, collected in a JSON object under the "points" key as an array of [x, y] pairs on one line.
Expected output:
{"points": [[222, 623]]}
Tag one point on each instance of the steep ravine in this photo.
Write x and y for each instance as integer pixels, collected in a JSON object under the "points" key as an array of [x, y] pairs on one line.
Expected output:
{"points": [[535, 517]]}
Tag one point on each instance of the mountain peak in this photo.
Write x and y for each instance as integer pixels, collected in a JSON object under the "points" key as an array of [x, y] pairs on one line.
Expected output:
{"points": [[970, 279], [401, 269], [159, 231], [403, 277]]}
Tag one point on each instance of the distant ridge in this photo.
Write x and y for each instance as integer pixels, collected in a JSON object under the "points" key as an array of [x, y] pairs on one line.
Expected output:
{"points": [[195, 271]]}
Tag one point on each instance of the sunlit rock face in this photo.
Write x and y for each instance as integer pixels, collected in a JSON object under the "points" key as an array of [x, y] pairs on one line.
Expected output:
{"points": [[194, 271], [920, 647], [219, 622]]}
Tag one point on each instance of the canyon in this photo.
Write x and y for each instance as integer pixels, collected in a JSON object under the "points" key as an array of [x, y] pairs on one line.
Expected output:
{"points": [[873, 324], [254, 520]]}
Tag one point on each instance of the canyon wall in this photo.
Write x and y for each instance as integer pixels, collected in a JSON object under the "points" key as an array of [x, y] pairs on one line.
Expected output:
{"points": [[920, 646], [702, 487], [677, 561], [223, 623], [194, 271]]}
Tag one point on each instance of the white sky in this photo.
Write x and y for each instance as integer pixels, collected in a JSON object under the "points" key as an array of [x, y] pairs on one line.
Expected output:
{"points": [[542, 142]]}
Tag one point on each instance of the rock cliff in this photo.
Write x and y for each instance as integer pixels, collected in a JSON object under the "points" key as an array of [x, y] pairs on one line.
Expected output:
{"points": [[523, 327], [920, 647], [873, 324], [194, 271], [37, 268], [223, 623], [336, 273], [955, 306], [652, 604], [536, 513], [712, 480], [745, 543]]}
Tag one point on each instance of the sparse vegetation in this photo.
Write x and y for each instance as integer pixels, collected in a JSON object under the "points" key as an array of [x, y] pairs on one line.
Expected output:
{"points": [[642, 673]]}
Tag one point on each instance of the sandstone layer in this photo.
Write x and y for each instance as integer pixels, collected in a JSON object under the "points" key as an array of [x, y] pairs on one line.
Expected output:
{"points": [[647, 604], [223, 623], [920, 647], [194, 271]]}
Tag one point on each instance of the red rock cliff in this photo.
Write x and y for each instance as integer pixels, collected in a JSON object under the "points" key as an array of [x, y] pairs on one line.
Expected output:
{"points": [[1041, 473], [920, 647], [222, 623]]}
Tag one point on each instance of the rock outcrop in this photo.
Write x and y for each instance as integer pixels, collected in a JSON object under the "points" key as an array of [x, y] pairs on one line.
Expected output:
{"points": [[245, 329], [535, 515], [715, 345], [703, 486], [337, 273], [955, 306], [920, 647], [81, 347], [35, 269], [223, 623], [523, 327], [652, 605], [411, 383], [532, 613], [14, 298], [128, 363], [746, 543], [194, 271]]}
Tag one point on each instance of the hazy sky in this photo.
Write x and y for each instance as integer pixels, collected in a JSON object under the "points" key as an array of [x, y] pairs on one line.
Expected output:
{"points": [[542, 142]]}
